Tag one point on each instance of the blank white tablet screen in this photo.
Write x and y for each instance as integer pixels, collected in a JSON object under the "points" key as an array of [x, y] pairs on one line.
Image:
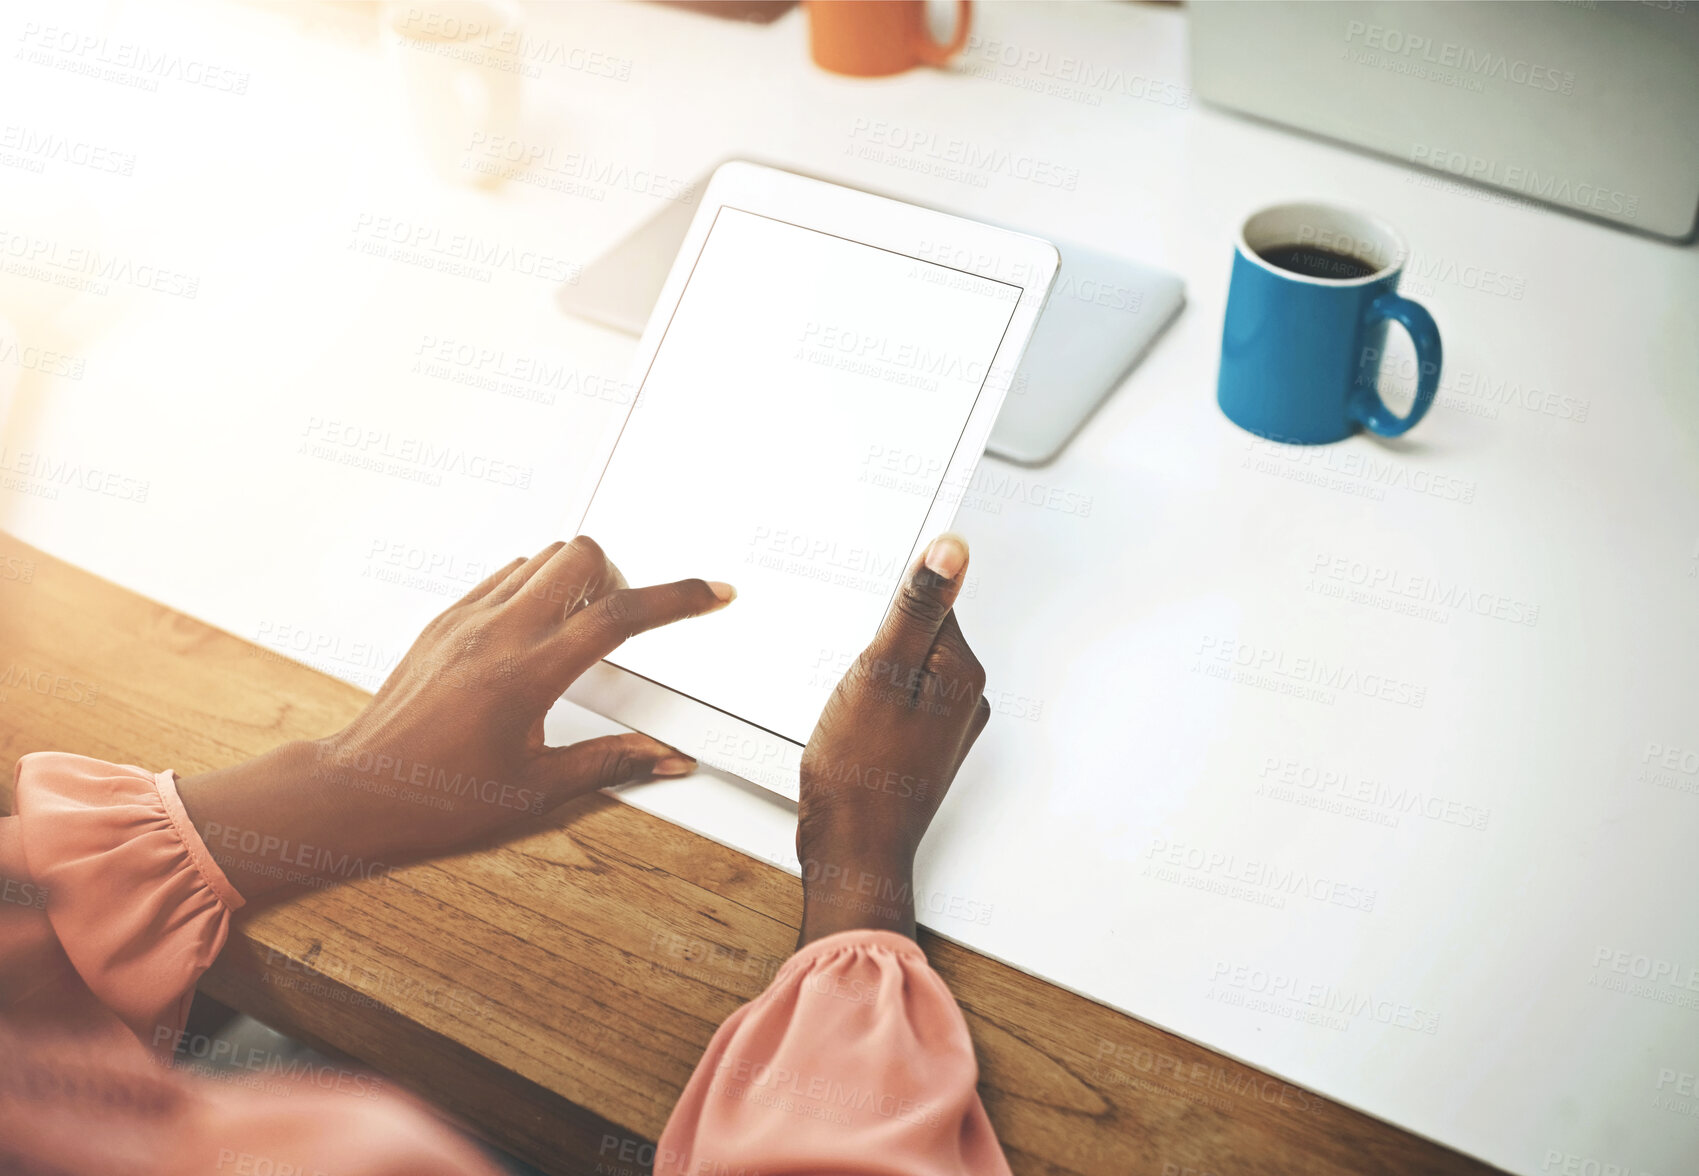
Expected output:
{"points": [[789, 438]]}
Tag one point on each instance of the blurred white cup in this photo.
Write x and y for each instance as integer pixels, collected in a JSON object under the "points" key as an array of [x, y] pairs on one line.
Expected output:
{"points": [[459, 62]]}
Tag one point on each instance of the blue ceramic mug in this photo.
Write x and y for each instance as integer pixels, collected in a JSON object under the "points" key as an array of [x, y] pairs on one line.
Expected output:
{"points": [[1313, 289]]}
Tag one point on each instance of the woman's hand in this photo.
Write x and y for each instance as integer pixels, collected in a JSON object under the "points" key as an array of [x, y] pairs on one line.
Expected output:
{"points": [[888, 744], [451, 748]]}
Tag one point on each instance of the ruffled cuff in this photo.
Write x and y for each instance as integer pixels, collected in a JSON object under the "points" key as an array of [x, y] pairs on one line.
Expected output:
{"points": [[69, 1105], [855, 1060], [134, 897]]}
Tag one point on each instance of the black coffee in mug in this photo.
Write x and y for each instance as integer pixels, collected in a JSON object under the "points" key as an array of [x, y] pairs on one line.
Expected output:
{"points": [[1313, 262]]}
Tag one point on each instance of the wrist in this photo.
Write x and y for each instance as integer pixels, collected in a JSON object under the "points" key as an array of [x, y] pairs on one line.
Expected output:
{"points": [[254, 818], [856, 893]]}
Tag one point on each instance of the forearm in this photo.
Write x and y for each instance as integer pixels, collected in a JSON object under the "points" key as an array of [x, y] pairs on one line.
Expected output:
{"points": [[265, 825]]}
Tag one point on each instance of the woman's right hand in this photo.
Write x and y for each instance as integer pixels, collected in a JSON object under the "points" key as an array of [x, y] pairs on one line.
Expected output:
{"points": [[886, 748]]}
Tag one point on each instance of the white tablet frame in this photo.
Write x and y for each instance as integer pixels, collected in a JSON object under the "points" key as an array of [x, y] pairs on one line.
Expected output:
{"points": [[715, 737]]}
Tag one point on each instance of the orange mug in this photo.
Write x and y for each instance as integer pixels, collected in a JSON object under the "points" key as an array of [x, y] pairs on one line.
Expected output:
{"points": [[874, 38]]}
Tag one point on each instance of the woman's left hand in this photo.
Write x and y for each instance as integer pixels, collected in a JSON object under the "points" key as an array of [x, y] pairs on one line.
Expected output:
{"points": [[451, 748]]}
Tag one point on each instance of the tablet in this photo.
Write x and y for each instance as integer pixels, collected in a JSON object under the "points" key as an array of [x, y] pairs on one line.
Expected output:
{"points": [[812, 394]]}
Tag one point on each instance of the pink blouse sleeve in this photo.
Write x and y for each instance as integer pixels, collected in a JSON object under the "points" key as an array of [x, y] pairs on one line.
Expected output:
{"points": [[134, 899], [111, 908], [855, 1061]]}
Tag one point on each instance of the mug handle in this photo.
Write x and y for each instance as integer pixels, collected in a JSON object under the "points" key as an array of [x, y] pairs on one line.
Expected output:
{"points": [[933, 52], [1366, 404]]}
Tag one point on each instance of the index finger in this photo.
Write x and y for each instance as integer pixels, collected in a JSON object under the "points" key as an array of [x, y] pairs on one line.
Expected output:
{"points": [[594, 632], [929, 591]]}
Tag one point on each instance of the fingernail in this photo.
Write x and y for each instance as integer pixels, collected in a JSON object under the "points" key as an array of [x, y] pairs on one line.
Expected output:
{"points": [[948, 555], [673, 765], [725, 592]]}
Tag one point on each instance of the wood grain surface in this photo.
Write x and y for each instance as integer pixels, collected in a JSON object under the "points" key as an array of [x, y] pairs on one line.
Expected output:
{"points": [[554, 991]]}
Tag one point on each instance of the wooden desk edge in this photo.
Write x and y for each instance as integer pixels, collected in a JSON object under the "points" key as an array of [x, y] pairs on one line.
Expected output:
{"points": [[1071, 1085]]}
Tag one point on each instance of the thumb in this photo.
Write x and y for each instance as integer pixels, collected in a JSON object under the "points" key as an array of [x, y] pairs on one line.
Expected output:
{"points": [[906, 636], [562, 773]]}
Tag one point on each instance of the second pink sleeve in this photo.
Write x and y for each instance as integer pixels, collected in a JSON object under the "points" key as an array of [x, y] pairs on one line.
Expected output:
{"points": [[855, 1061]]}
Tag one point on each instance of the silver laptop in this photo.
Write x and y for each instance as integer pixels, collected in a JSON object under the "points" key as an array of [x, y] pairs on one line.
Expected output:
{"points": [[1590, 106], [1103, 315]]}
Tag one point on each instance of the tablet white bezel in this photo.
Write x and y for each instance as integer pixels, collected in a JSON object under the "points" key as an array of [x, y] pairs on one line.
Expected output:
{"points": [[715, 737]]}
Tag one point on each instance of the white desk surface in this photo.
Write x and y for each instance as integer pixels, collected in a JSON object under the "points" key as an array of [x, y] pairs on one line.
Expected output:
{"points": [[1210, 799]]}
